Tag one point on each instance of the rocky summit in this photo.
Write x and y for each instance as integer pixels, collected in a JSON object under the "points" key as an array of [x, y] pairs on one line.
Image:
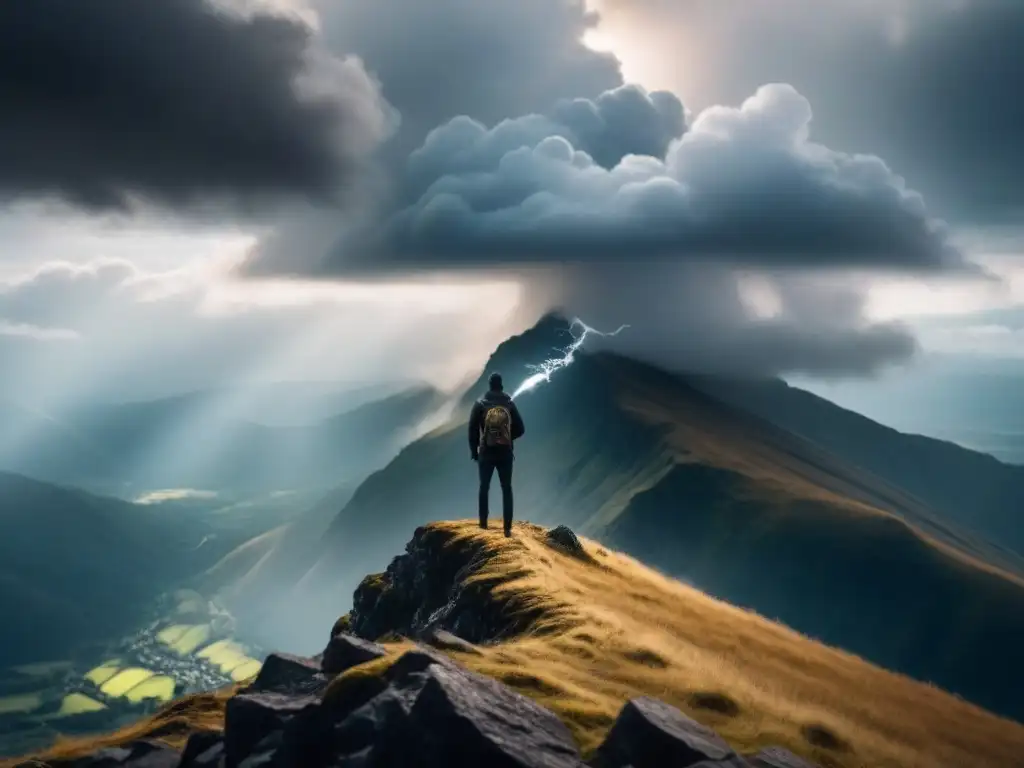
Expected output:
{"points": [[365, 705], [419, 709]]}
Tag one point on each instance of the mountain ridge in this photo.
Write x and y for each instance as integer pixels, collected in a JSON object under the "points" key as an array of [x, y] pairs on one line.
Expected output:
{"points": [[177, 443], [606, 432]]}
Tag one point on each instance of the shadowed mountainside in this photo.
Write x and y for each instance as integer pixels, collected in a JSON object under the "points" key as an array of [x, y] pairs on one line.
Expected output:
{"points": [[967, 487], [77, 568], [253, 581], [194, 442]]}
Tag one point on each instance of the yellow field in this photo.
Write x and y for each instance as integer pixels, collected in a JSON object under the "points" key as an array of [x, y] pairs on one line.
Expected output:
{"points": [[610, 629]]}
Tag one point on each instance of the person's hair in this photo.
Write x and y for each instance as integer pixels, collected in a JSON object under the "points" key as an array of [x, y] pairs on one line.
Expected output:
{"points": [[495, 383]]}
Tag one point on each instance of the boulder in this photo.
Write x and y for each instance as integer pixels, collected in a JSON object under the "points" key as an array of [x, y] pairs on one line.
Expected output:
{"points": [[649, 734], [346, 651], [447, 641], [285, 673], [265, 753], [418, 659], [252, 716], [138, 754], [379, 731], [564, 538], [462, 719], [203, 750]]}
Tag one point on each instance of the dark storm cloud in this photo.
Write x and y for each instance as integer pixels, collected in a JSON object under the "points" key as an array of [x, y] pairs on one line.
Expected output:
{"points": [[174, 101], [744, 185], [694, 317], [623, 121], [520, 151], [438, 59], [931, 85]]}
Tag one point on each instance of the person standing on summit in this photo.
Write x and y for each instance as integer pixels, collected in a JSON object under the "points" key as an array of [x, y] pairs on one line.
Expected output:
{"points": [[494, 423]]}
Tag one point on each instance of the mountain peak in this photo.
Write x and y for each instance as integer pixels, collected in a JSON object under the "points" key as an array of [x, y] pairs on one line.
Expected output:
{"points": [[515, 356]]}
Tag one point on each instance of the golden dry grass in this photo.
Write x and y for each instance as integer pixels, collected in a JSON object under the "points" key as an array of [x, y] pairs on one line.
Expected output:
{"points": [[616, 629]]}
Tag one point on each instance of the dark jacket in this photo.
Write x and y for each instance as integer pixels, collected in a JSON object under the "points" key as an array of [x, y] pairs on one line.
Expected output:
{"points": [[480, 407]]}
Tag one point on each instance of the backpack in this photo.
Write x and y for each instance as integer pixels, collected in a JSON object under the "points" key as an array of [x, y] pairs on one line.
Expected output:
{"points": [[497, 427]]}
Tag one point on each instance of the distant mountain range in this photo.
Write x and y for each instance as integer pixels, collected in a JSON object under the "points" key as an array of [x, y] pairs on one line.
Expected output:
{"points": [[903, 549], [201, 441]]}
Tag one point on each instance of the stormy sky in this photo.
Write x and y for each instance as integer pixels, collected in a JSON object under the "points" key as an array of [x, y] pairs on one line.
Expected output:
{"points": [[201, 191]]}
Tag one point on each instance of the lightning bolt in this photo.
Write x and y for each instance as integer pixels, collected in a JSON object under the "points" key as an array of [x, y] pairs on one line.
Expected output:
{"points": [[548, 367]]}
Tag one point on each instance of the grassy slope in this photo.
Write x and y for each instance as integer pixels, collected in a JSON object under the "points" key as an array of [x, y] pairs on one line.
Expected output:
{"points": [[615, 629], [966, 486], [76, 568]]}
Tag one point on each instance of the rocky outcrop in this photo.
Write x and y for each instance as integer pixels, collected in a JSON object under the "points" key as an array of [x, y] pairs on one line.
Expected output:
{"points": [[429, 594], [425, 711], [429, 589]]}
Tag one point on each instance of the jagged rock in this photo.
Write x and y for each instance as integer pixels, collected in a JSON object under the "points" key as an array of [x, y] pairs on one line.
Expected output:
{"points": [[463, 719], [250, 717], [203, 750], [649, 734], [265, 752], [346, 651], [138, 754], [564, 538], [419, 659], [429, 588], [440, 638], [777, 757], [379, 732], [285, 673]]}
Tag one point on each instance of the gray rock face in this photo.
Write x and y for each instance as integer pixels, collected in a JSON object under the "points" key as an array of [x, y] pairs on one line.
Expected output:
{"points": [[138, 754], [429, 711], [346, 651], [650, 733], [440, 638], [252, 716], [458, 715], [428, 589], [285, 673], [203, 750], [564, 538]]}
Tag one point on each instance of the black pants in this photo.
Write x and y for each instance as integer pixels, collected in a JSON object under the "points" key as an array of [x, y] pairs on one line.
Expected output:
{"points": [[487, 465]]}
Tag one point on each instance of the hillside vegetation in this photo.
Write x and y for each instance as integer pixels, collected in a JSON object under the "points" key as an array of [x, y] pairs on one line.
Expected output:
{"points": [[593, 629]]}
